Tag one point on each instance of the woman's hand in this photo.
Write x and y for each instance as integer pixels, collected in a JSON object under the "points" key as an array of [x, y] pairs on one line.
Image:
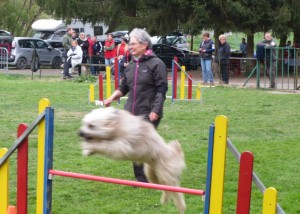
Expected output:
{"points": [[153, 116]]}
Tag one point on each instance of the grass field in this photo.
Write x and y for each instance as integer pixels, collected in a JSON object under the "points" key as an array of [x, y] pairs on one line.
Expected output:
{"points": [[259, 121]]}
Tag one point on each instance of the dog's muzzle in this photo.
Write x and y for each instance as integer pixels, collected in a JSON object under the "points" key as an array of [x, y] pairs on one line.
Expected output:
{"points": [[81, 133], [84, 135]]}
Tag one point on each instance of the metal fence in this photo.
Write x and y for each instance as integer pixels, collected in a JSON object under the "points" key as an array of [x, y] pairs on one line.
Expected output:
{"points": [[277, 68], [3, 59]]}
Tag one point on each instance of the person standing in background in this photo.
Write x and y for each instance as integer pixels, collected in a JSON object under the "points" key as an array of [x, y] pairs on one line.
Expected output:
{"points": [[243, 47], [122, 48], [97, 49], [270, 56], [90, 49], [222, 58], [206, 48], [67, 41], [84, 44], [109, 50]]}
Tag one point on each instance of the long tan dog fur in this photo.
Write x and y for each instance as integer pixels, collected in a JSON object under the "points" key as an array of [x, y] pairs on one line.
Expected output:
{"points": [[116, 134]]}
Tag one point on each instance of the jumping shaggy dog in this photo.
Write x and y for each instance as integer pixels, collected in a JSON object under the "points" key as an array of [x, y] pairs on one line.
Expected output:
{"points": [[117, 134]]}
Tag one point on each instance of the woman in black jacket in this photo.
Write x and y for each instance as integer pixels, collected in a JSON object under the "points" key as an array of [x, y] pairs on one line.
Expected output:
{"points": [[222, 58], [145, 81], [84, 44]]}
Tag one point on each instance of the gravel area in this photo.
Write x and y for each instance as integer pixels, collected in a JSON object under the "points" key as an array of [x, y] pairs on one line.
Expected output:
{"points": [[196, 75]]}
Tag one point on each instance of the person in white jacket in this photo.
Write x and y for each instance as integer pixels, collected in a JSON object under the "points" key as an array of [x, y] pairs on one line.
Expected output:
{"points": [[74, 55]]}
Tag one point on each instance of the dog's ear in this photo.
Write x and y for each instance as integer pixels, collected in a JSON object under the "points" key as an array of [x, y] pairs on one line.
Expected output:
{"points": [[113, 116]]}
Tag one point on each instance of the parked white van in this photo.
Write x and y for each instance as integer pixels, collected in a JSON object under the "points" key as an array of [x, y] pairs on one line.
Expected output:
{"points": [[51, 29]]}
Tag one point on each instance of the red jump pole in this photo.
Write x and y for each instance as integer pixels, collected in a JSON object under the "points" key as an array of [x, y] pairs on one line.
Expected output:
{"points": [[190, 84], [22, 172], [126, 182], [245, 183], [100, 78]]}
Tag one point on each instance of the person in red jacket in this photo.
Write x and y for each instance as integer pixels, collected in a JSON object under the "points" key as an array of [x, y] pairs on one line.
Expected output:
{"points": [[91, 43], [109, 50]]}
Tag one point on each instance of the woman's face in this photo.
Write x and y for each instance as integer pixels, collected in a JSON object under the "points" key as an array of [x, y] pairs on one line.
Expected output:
{"points": [[137, 48], [222, 40], [109, 37], [74, 43], [82, 36], [205, 38]]}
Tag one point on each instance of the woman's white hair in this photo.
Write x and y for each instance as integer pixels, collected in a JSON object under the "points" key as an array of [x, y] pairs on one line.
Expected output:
{"points": [[142, 36], [222, 36]]}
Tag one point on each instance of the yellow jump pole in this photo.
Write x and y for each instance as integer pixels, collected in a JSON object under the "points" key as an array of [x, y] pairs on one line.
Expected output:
{"points": [[108, 85], [41, 158], [4, 176], [218, 166], [270, 201], [182, 83], [92, 93], [198, 91]]}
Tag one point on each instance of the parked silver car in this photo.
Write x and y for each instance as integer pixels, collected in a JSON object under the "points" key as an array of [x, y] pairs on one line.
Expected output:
{"points": [[22, 50]]}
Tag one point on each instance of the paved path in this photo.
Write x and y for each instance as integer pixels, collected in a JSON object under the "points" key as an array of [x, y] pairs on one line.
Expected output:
{"points": [[196, 75]]}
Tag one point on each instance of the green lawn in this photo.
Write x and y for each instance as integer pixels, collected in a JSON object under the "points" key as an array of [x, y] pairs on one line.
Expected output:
{"points": [[259, 121]]}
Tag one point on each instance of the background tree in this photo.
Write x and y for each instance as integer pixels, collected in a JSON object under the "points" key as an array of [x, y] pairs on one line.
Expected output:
{"points": [[17, 16], [188, 16]]}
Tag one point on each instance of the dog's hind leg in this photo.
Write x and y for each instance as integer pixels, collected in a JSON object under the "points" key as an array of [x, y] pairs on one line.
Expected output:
{"points": [[150, 174], [179, 202], [152, 177], [178, 198]]}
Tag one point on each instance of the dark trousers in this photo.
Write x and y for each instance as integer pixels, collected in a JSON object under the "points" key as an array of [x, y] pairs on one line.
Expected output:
{"points": [[224, 72], [95, 69], [67, 65], [138, 169], [271, 72]]}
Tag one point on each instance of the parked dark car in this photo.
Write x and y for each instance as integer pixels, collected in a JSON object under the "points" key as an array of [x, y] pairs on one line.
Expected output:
{"points": [[56, 44], [5, 35], [118, 35], [166, 53]]}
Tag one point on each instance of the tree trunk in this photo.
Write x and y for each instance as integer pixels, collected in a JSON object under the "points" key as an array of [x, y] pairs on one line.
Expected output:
{"points": [[18, 18], [28, 28], [192, 43], [250, 51], [283, 39], [217, 33], [296, 37], [250, 45]]}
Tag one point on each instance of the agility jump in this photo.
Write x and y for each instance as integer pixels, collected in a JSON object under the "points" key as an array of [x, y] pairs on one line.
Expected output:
{"points": [[214, 179], [191, 84], [183, 75]]}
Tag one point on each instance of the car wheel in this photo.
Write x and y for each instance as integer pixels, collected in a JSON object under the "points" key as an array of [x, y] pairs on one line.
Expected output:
{"points": [[56, 62], [21, 63]]}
